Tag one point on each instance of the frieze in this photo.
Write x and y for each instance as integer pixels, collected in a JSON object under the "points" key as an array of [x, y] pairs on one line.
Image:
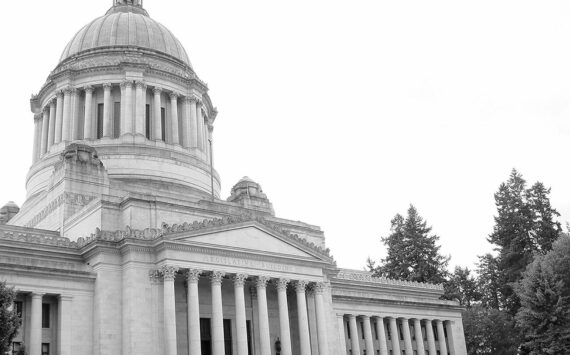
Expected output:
{"points": [[116, 236], [367, 277], [38, 238]]}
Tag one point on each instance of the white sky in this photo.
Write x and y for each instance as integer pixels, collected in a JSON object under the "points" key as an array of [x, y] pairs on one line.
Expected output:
{"points": [[347, 111]]}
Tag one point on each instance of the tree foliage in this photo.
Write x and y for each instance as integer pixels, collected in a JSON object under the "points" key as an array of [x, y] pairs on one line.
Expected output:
{"points": [[489, 281], [489, 331], [9, 320], [544, 316], [462, 287], [412, 251]]}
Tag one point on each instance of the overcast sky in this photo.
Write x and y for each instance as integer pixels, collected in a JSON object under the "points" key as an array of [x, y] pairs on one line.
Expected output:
{"points": [[347, 111]]}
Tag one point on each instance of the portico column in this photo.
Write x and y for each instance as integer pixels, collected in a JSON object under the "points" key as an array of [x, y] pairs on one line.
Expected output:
{"points": [[51, 129], [430, 338], [44, 136], [354, 342], [200, 120], [419, 336], [194, 346], [64, 337], [185, 122], [193, 136], [304, 340], [127, 126], [341, 335], [264, 339], [174, 118], [169, 274], [407, 337], [394, 335], [36, 324], [241, 325], [67, 109], [58, 116], [107, 109], [450, 337], [368, 335], [382, 336], [74, 125], [88, 124], [140, 110], [217, 314], [285, 332], [37, 137], [441, 337], [321, 318], [157, 132]]}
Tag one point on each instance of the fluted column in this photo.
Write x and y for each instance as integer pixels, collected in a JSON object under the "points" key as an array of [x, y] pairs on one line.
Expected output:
{"points": [[441, 337], [241, 325], [368, 340], [88, 124], [419, 336], [354, 342], [200, 123], [140, 110], [185, 122], [127, 118], [193, 136], [66, 123], [58, 116], [51, 128], [107, 111], [382, 336], [430, 338], [341, 335], [321, 318], [37, 137], [284, 330], [394, 335], [157, 132], [74, 125], [192, 277], [303, 319], [36, 324], [264, 339], [169, 274], [217, 314], [407, 337], [44, 136], [174, 118], [64, 333], [450, 339]]}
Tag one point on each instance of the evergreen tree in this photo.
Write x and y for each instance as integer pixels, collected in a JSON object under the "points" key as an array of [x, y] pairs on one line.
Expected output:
{"points": [[544, 316], [412, 251], [545, 229], [462, 287], [9, 320], [489, 331], [488, 282]]}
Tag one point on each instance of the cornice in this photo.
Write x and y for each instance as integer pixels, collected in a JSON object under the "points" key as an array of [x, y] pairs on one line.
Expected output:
{"points": [[366, 277], [37, 237]]}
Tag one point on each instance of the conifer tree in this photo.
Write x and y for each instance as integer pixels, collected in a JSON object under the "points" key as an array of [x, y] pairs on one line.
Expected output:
{"points": [[9, 320]]}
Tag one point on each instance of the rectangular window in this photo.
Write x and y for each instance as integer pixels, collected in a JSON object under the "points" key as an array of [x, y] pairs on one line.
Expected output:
{"points": [[163, 122], [18, 307], [116, 119], [45, 315], [362, 329], [205, 336], [16, 347], [228, 336], [100, 111], [147, 121], [45, 348], [248, 330]]}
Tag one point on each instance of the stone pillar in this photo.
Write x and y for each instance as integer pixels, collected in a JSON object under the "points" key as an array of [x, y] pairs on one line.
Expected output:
{"points": [[64, 337], [354, 341], [217, 314], [194, 345], [169, 274], [368, 340], [58, 116], [419, 336], [88, 122], [193, 136], [303, 318], [185, 122], [382, 336], [51, 129], [127, 118], [200, 120], [74, 126], [174, 118], [264, 339], [44, 136], [107, 111], [450, 337], [35, 344], [441, 337], [321, 318], [140, 110], [430, 338], [407, 337], [241, 325], [157, 131], [341, 336], [37, 137], [66, 123], [394, 335], [285, 332]]}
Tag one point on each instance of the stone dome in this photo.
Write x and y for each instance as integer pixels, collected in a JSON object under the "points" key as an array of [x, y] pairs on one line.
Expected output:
{"points": [[125, 26]]}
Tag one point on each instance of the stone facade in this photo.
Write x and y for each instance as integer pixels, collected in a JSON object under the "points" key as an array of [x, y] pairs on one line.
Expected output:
{"points": [[123, 245]]}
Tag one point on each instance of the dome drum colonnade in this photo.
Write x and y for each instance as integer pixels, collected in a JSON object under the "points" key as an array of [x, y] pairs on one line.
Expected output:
{"points": [[168, 273]]}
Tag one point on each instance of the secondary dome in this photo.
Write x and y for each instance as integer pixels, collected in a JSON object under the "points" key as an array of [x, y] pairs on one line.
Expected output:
{"points": [[125, 26]]}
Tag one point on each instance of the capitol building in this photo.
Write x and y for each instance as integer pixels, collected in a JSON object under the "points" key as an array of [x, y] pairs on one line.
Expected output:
{"points": [[125, 246]]}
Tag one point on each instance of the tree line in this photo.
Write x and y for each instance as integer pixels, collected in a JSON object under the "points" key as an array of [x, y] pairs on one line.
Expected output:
{"points": [[518, 299]]}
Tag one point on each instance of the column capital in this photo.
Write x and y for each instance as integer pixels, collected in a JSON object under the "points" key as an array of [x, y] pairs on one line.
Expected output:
{"points": [[239, 279], [69, 90], [281, 284], [364, 317], [126, 83], [140, 84], [168, 272], [37, 116], [300, 286], [216, 277], [53, 101], [173, 95], [154, 276], [438, 321], [107, 86], [192, 98], [58, 94], [192, 275], [37, 294], [319, 287], [261, 281], [88, 88], [156, 90], [65, 297]]}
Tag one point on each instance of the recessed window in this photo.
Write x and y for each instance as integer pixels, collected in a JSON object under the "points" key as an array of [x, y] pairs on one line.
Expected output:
{"points": [[45, 349], [116, 119], [45, 316], [100, 111], [163, 122], [147, 121], [16, 347], [18, 307]]}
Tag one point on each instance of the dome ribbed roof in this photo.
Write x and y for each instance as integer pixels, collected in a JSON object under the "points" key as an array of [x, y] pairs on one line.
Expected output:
{"points": [[118, 28]]}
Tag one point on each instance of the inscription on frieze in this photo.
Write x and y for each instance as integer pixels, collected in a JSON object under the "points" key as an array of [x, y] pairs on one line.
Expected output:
{"points": [[254, 264]]}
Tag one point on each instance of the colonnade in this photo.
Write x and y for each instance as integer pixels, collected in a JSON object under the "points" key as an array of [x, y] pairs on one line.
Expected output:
{"points": [[383, 335], [63, 118], [192, 276]]}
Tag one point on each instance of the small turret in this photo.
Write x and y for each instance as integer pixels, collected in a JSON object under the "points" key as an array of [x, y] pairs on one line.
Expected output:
{"points": [[8, 211], [249, 194]]}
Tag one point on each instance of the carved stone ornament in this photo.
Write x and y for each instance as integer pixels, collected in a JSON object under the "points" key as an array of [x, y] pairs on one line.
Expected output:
{"points": [[155, 276], [140, 85], [88, 89], [168, 272], [239, 279], [156, 90], [300, 286], [107, 86], [319, 287], [363, 276], [261, 281], [69, 90], [216, 277], [193, 275], [59, 94], [126, 84], [281, 284], [173, 95]]}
